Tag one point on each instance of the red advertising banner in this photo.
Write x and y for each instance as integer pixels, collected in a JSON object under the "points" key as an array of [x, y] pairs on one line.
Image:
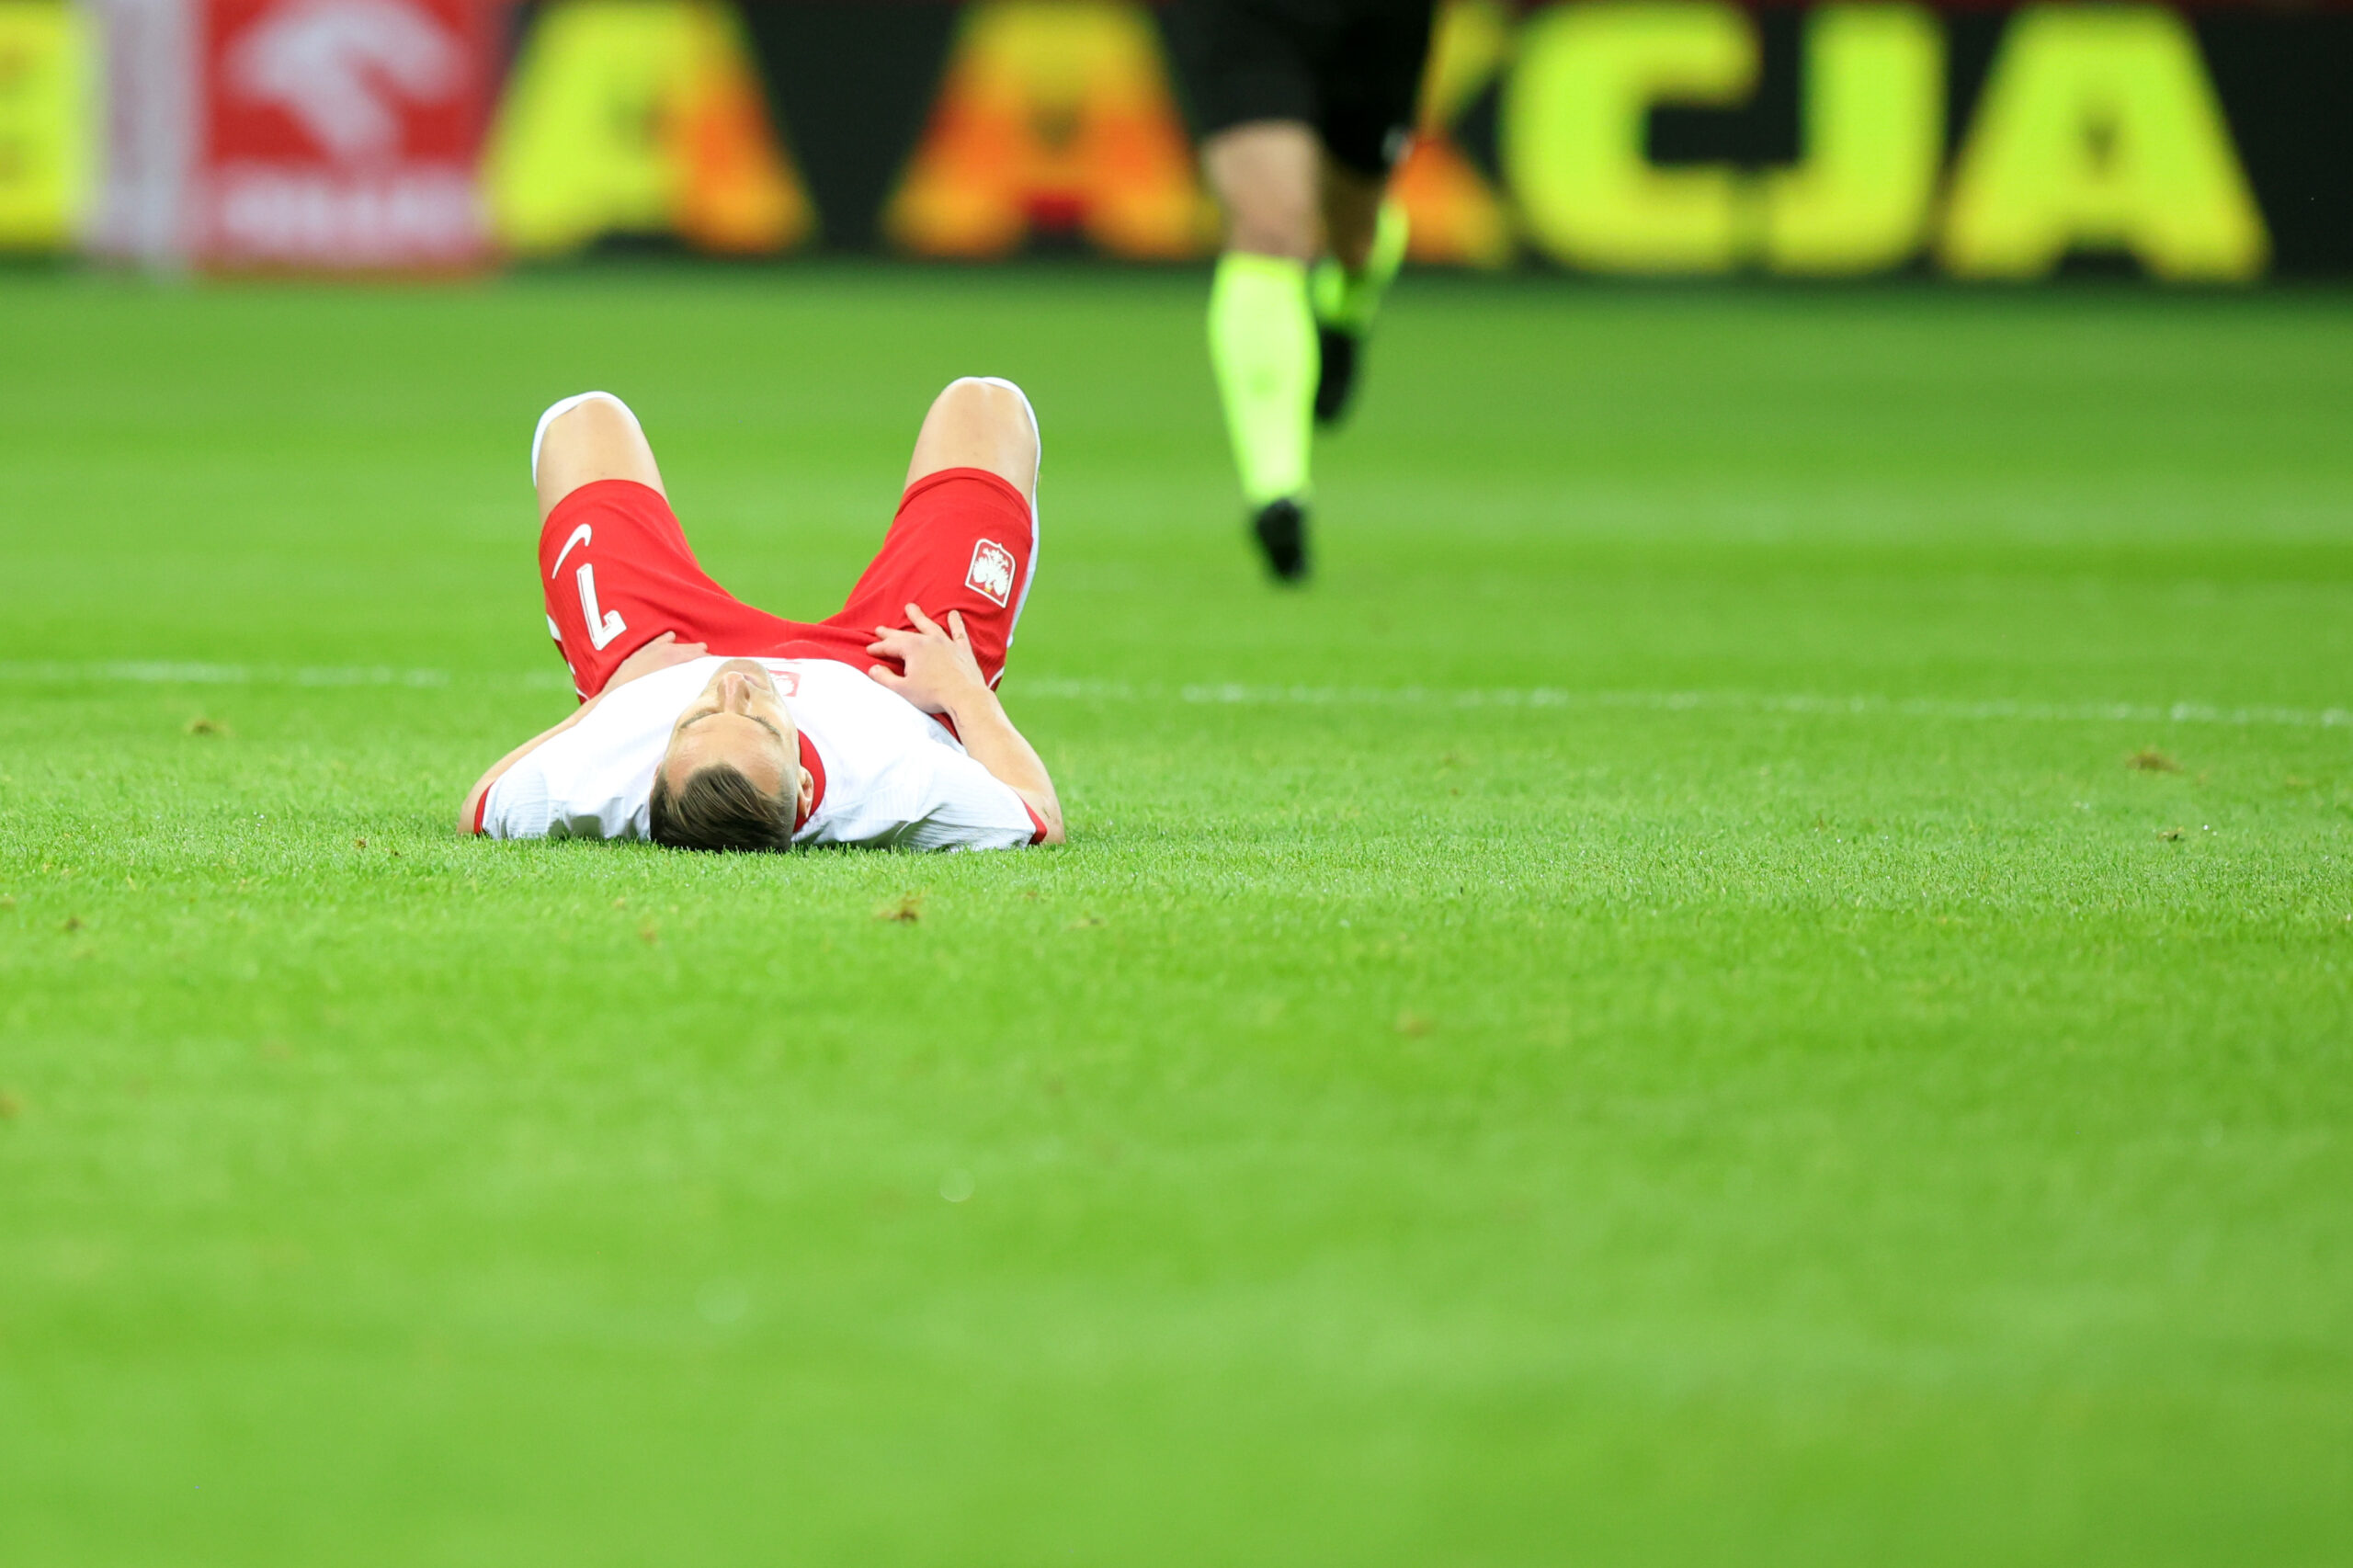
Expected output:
{"points": [[342, 133]]}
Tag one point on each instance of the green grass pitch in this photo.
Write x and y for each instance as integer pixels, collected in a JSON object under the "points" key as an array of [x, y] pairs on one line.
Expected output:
{"points": [[1652, 1016]]}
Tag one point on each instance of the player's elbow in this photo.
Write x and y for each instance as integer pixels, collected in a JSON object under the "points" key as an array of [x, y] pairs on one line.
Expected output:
{"points": [[1047, 814], [471, 810]]}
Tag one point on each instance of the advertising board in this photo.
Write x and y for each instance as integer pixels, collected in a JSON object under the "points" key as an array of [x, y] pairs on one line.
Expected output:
{"points": [[310, 134], [1629, 136], [1619, 137]]}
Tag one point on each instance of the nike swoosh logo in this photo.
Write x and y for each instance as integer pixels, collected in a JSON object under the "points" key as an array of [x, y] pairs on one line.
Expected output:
{"points": [[580, 535]]}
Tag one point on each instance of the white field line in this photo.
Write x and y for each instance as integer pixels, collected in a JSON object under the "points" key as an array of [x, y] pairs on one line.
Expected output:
{"points": [[159, 672], [1542, 697]]}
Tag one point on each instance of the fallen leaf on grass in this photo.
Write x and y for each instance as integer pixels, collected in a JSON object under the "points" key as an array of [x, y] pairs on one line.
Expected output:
{"points": [[1413, 1023], [648, 934], [360, 844], [907, 912], [73, 923], [2149, 759], [207, 727], [2170, 834], [1083, 924]]}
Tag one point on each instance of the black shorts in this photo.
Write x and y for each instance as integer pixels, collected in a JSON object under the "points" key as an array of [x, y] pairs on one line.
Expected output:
{"points": [[1350, 68]]}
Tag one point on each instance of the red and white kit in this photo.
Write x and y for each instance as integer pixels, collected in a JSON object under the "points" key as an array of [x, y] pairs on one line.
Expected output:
{"points": [[617, 572]]}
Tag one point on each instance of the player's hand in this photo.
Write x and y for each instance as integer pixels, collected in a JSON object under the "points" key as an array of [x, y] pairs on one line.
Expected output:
{"points": [[941, 670], [659, 654]]}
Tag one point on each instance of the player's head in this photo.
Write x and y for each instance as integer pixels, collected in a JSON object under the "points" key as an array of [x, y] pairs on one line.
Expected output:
{"points": [[731, 777]]}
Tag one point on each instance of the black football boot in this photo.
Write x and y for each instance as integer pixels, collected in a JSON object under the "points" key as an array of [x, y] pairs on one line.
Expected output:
{"points": [[1280, 528]]}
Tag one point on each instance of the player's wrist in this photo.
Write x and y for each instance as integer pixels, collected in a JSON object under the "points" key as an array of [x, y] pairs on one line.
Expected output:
{"points": [[974, 700]]}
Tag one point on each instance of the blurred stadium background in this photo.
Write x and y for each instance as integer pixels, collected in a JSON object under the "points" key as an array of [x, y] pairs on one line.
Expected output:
{"points": [[1633, 137]]}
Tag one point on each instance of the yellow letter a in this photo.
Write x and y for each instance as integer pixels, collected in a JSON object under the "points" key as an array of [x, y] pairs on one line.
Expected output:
{"points": [[1057, 113], [2099, 128], [1454, 215], [640, 118]]}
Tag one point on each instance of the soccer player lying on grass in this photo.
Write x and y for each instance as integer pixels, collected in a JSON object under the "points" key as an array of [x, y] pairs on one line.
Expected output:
{"points": [[708, 724]]}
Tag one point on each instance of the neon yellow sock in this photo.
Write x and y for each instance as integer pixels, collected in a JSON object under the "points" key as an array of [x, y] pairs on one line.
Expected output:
{"points": [[1349, 299], [1262, 344]]}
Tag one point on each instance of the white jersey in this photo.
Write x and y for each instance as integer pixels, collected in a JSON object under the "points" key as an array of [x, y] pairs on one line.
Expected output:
{"points": [[889, 774]]}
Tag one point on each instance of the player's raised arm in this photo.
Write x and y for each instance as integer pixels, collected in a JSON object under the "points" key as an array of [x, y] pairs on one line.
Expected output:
{"points": [[943, 677]]}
